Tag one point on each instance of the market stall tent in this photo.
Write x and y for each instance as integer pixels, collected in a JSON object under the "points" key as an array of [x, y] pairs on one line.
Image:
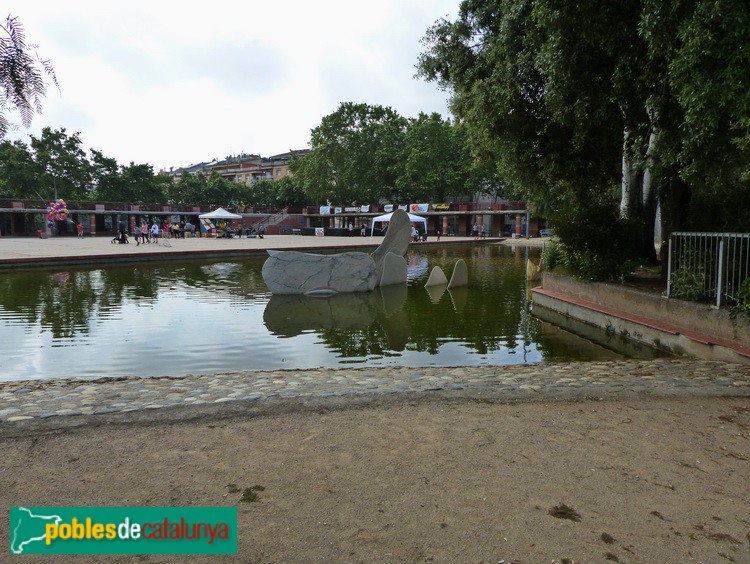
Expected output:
{"points": [[220, 213], [387, 217], [206, 219]]}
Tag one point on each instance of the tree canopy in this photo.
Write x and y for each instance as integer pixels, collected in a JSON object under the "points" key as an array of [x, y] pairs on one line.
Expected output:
{"points": [[362, 154], [577, 101]]}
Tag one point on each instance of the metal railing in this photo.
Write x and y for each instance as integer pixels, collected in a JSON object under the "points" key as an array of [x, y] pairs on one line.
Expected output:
{"points": [[712, 265]]}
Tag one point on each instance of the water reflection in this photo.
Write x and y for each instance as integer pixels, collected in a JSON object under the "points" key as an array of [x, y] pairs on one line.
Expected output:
{"points": [[203, 317], [359, 324]]}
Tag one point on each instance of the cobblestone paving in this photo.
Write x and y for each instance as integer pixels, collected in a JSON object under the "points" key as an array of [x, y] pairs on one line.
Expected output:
{"points": [[20, 401]]}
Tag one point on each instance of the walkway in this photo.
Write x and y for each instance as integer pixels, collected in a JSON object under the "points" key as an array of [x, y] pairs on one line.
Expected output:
{"points": [[24, 252], [47, 399]]}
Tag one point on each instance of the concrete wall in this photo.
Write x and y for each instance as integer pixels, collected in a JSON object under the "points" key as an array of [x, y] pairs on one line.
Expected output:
{"points": [[690, 316]]}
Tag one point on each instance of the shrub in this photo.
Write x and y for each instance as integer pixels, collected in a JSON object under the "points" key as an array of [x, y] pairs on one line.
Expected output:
{"points": [[743, 300], [688, 285], [595, 243]]}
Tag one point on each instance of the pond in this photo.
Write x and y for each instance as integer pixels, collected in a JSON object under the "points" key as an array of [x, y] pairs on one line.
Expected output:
{"points": [[197, 317]]}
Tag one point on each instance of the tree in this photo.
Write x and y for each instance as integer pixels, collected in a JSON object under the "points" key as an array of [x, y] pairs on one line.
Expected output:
{"points": [[139, 184], [214, 190], [262, 194], [106, 177], [436, 161], [18, 172], [21, 76], [289, 192], [587, 103], [355, 155], [64, 169], [190, 189]]}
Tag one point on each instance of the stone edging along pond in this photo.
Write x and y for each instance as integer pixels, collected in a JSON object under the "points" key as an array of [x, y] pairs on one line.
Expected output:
{"points": [[673, 325]]}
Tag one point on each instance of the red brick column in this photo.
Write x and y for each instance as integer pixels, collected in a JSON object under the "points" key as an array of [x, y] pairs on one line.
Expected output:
{"points": [[519, 225], [92, 223]]}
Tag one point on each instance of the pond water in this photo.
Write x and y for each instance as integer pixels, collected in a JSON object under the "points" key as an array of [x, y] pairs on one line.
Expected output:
{"points": [[196, 317]]}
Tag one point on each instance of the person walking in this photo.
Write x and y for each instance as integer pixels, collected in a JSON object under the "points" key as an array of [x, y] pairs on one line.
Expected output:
{"points": [[155, 232], [144, 233], [123, 228], [79, 230]]}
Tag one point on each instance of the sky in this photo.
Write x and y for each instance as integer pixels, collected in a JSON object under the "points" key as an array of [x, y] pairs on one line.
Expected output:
{"points": [[171, 84]]}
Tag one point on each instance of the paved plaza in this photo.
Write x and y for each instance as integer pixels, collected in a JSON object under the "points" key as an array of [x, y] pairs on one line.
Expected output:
{"points": [[31, 251]]}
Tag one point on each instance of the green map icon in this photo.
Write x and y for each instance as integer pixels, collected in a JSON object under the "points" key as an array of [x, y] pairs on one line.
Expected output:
{"points": [[27, 528]]}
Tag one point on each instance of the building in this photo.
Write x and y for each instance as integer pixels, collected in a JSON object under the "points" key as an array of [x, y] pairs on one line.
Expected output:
{"points": [[245, 169]]}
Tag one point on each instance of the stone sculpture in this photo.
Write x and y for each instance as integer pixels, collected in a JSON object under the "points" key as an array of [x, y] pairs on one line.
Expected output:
{"points": [[293, 272], [460, 276], [394, 270], [436, 278]]}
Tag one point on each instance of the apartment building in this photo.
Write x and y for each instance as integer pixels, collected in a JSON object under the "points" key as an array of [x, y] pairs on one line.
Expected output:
{"points": [[244, 168]]}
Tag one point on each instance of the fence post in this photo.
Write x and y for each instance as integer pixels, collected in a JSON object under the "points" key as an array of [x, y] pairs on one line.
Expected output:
{"points": [[718, 277], [669, 268]]}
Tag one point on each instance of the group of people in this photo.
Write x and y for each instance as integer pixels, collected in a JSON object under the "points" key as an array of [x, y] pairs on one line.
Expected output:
{"points": [[416, 235], [168, 230], [478, 231]]}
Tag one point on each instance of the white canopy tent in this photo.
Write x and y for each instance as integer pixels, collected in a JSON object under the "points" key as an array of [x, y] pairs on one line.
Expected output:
{"points": [[207, 219], [387, 217], [220, 213]]}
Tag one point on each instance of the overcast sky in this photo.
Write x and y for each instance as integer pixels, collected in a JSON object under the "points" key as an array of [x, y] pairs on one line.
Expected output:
{"points": [[171, 83]]}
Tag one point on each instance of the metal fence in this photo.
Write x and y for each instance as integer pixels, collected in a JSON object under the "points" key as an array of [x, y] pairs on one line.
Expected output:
{"points": [[709, 266]]}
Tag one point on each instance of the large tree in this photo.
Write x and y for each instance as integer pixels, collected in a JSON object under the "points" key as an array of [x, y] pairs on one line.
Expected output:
{"points": [[64, 169], [105, 172], [436, 162], [139, 184], [355, 155], [18, 172], [22, 76], [587, 105]]}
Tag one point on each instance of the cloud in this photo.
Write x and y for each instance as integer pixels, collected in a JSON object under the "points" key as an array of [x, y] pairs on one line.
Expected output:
{"points": [[172, 84]]}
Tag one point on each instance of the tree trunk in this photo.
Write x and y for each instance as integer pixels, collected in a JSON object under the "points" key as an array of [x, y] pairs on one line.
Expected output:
{"points": [[630, 189], [649, 201]]}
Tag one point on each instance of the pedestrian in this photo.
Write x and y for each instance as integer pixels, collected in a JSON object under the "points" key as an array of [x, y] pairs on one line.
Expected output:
{"points": [[414, 234], [475, 231], [351, 229], [79, 229], [123, 227], [166, 229], [144, 233], [155, 232], [438, 233]]}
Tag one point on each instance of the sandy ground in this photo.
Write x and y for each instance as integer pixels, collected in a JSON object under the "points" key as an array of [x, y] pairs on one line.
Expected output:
{"points": [[420, 478]]}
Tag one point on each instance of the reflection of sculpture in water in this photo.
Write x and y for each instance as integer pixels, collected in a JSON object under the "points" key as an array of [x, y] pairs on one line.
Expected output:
{"points": [[291, 315], [292, 272]]}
